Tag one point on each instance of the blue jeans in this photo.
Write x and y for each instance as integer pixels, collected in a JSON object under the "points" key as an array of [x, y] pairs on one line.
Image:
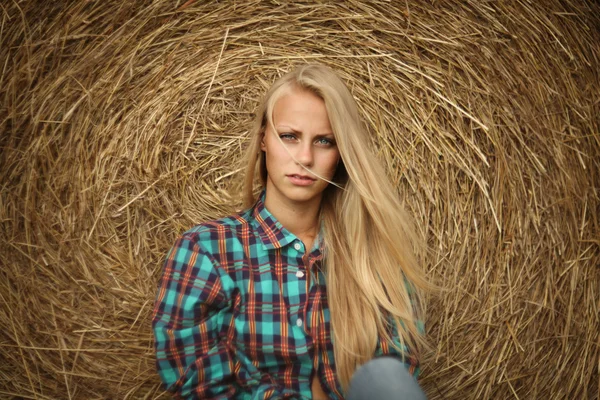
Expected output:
{"points": [[384, 378]]}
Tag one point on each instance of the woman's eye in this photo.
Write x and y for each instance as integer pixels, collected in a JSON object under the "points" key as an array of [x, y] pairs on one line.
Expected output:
{"points": [[287, 136], [325, 141]]}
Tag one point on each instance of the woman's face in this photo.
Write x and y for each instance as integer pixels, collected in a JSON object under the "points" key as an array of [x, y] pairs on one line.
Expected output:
{"points": [[301, 121]]}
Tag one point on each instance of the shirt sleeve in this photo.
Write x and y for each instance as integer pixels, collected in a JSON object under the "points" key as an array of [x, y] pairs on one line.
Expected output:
{"points": [[189, 313]]}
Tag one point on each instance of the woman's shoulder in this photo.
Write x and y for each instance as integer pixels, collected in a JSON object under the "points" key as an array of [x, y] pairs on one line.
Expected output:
{"points": [[224, 228], [221, 241]]}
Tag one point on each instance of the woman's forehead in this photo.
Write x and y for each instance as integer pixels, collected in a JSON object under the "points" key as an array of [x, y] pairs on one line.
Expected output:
{"points": [[302, 110]]}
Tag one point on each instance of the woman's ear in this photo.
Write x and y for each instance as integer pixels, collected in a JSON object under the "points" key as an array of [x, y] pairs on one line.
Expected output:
{"points": [[262, 141]]}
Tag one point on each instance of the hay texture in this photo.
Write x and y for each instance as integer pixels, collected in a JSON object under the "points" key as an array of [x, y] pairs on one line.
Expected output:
{"points": [[122, 125]]}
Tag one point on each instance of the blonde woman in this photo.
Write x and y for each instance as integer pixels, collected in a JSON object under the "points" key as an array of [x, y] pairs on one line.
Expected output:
{"points": [[317, 277]]}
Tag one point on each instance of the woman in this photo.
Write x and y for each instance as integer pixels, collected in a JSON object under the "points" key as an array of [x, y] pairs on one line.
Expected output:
{"points": [[288, 298]]}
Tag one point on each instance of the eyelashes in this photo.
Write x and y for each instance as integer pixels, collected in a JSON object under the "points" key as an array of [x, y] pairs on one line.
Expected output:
{"points": [[287, 136], [328, 142]]}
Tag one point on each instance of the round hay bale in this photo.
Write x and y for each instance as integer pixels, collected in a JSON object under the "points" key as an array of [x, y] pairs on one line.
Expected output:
{"points": [[122, 124]]}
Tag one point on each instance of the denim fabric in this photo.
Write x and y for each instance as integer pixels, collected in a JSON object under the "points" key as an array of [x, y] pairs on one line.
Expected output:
{"points": [[384, 378]]}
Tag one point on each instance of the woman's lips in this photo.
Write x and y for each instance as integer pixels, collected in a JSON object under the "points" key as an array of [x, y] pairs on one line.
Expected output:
{"points": [[301, 180]]}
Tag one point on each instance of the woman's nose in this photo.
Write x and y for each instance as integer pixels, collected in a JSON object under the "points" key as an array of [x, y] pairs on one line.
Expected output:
{"points": [[305, 154]]}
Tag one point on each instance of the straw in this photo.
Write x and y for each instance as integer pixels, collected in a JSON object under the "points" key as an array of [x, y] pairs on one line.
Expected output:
{"points": [[123, 124]]}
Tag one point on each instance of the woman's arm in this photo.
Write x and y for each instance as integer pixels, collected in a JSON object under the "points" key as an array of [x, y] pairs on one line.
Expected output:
{"points": [[190, 309]]}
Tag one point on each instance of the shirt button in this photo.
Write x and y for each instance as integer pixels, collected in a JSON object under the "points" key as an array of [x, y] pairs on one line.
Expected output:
{"points": [[297, 246], [299, 274], [299, 322]]}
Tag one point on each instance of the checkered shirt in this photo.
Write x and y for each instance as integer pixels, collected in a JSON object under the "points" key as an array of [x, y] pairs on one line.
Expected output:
{"points": [[241, 312]]}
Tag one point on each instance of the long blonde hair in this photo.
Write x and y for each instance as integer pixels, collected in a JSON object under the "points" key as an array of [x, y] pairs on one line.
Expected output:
{"points": [[372, 273]]}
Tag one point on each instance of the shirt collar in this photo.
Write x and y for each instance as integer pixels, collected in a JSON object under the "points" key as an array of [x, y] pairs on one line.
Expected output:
{"points": [[272, 234]]}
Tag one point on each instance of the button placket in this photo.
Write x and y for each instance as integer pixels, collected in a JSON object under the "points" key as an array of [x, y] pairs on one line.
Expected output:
{"points": [[299, 319]]}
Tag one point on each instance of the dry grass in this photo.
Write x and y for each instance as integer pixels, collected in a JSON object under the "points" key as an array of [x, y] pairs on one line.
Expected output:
{"points": [[122, 124]]}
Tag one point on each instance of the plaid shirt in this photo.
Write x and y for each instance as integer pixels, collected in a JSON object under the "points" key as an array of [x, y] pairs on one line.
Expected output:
{"points": [[242, 312]]}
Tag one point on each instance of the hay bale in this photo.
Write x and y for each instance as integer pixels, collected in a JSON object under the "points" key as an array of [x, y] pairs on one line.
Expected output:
{"points": [[122, 125]]}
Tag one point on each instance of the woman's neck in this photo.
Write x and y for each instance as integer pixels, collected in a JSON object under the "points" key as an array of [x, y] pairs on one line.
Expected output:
{"points": [[301, 219]]}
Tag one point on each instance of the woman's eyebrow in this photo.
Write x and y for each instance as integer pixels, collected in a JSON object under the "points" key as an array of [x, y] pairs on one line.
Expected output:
{"points": [[289, 128]]}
